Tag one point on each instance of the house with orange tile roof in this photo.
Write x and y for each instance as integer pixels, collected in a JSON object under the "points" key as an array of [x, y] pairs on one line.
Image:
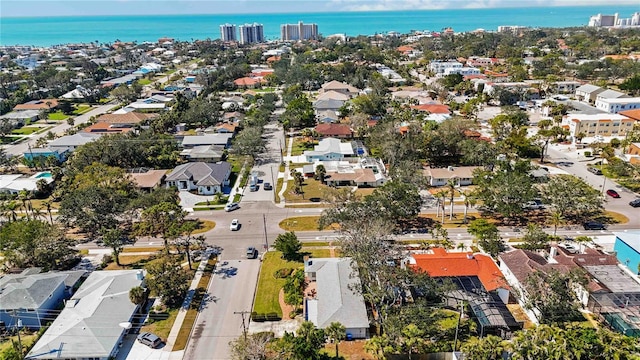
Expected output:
{"points": [[442, 263], [130, 118], [106, 128], [249, 82], [631, 114], [477, 281]]}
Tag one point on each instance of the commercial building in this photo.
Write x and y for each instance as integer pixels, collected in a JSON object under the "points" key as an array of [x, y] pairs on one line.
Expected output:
{"points": [[299, 31], [617, 105], [251, 33], [593, 125], [228, 33]]}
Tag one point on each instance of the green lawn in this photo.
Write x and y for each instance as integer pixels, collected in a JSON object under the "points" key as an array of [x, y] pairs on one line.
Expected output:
{"points": [[27, 340], [268, 286], [81, 109], [299, 146], [311, 189], [25, 130], [162, 328], [302, 223], [9, 139], [58, 115]]}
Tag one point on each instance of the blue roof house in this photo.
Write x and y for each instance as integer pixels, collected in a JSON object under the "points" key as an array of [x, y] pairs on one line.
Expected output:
{"points": [[627, 248]]}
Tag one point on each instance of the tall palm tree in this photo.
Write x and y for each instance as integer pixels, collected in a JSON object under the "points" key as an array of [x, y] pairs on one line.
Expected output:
{"points": [[556, 219], [47, 205], [451, 185], [441, 196], [336, 332]]}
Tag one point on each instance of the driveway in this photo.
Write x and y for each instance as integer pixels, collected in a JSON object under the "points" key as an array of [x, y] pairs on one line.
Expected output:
{"points": [[267, 166], [188, 200]]}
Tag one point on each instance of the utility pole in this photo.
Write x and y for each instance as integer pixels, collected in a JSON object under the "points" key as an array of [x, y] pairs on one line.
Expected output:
{"points": [[245, 324], [17, 325], [266, 240]]}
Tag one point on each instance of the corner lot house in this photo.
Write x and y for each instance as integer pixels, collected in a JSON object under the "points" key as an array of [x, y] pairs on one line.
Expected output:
{"points": [[462, 175], [335, 298], [89, 326], [34, 296], [204, 178], [329, 149]]}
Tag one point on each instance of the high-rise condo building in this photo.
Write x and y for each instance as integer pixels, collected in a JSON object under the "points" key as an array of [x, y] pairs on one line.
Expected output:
{"points": [[251, 33], [298, 31], [228, 32]]}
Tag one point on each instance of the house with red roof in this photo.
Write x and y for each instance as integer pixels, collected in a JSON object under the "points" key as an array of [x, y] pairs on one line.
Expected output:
{"points": [[442, 263], [341, 131]]}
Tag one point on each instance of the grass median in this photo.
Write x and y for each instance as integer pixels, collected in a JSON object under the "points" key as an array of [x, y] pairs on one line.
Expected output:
{"points": [[269, 286]]}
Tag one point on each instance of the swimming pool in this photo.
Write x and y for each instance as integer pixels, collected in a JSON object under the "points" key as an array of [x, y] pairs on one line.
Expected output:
{"points": [[43, 174]]}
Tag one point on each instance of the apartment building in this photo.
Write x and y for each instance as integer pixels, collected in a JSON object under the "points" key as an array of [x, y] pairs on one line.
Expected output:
{"points": [[439, 67], [593, 125], [228, 33], [251, 33], [617, 105], [299, 31]]}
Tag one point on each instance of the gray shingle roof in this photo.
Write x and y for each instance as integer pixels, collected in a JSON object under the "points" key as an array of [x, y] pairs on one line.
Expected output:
{"points": [[28, 292], [199, 171], [337, 296], [88, 326]]}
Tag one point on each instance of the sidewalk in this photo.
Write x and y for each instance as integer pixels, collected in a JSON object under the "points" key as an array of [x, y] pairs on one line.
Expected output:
{"points": [[286, 174], [173, 335]]}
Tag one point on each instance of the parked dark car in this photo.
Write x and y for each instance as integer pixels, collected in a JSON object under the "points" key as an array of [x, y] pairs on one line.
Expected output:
{"points": [[267, 186], [614, 194], [635, 203], [595, 171], [593, 225]]}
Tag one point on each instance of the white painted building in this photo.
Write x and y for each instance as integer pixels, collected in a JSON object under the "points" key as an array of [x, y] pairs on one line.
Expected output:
{"points": [[614, 106], [438, 67]]}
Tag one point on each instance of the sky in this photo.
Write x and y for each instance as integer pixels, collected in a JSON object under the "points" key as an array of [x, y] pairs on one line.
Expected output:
{"points": [[37, 8]]}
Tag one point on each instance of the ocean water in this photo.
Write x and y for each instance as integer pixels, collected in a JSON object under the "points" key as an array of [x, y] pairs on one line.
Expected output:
{"points": [[47, 31]]}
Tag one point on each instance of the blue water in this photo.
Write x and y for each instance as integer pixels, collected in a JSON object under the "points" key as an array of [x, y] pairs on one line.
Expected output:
{"points": [[46, 31]]}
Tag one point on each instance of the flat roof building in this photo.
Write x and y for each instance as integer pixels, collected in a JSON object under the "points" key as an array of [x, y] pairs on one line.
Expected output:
{"points": [[251, 33], [298, 31], [228, 32]]}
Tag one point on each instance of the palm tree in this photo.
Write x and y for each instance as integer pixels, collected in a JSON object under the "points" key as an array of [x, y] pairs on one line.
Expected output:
{"points": [[47, 205], [582, 240], [556, 220], [336, 332], [138, 295], [25, 197], [11, 208], [461, 246], [469, 201], [451, 184], [321, 173]]}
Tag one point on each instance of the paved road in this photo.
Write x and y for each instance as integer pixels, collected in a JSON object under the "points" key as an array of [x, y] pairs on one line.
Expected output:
{"points": [[579, 168], [233, 289], [19, 149], [230, 291]]}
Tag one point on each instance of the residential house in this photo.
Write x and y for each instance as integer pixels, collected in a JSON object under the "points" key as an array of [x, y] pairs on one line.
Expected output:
{"points": [[602, 124], [632, 154], [20, 118], [131, 118], [330, 101], [435, 111], [341, 131], [516, 265], [204, 178], [588, 93], [14, 183], [249, 82], [43, 104], [233, 117], [439, 67], [191, 141], [336, 298], [329, 149], [340, 87], [91, 325], [461, 175], [367, 172], [204, 153], [147, 179], [46, 152], [627, 249], [327, 116], [565, 87], [34, 296], [477, 281], [72, 142], [610, 94]]}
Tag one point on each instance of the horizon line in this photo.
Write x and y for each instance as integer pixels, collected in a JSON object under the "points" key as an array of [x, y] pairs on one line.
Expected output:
{"points": [[317, 12]]}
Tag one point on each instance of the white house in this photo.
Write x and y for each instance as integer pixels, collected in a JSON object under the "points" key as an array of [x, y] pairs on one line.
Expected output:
{"points": [[439, 67], [205, 178], [336, 298], [588, 93], [92, 323], [329, 149], [462, 175], [464, 71]]}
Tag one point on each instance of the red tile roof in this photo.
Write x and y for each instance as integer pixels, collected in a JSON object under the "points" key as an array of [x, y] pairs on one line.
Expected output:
{"points": [[451, 264], [37, 105], [634, 114], [334, 130], [128, 118], [433, 108]]}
